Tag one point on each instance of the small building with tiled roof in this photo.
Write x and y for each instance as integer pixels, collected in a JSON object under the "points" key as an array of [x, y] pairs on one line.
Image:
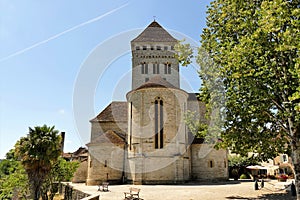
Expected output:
{"points": [[145, 140]]}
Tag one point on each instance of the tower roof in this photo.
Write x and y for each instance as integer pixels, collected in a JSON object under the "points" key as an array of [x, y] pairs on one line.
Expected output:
{"points": [[154, 33]]}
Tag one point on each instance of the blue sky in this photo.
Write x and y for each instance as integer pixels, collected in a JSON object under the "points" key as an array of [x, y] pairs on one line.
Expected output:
{"points": [[45, 45]]}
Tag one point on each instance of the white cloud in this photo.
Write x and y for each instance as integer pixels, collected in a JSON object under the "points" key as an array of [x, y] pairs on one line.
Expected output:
{"points": [[61, 111]]}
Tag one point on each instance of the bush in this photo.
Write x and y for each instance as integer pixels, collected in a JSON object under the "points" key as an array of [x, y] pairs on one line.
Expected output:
{"points": [[243, 176]]}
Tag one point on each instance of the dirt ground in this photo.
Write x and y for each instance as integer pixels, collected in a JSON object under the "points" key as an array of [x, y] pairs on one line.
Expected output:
{"points": [[273, 190]]}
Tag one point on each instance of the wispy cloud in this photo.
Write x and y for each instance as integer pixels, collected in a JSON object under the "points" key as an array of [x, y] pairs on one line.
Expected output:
{"points": [[62, 33], [61, 111]]}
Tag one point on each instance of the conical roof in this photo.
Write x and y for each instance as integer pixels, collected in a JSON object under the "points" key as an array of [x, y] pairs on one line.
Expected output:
{"points": [[154, 33]]}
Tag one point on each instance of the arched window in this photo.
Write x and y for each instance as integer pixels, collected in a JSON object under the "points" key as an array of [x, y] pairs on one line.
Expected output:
{"points": [[167, 68], [159, 123], [130, 127], [144, 68], [155, 68], [211, 163]]}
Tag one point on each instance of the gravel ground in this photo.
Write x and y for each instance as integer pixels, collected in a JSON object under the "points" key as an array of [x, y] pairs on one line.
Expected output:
{"points": [[273, 190]]}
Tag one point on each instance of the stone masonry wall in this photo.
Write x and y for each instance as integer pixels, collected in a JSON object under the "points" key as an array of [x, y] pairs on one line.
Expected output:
{"points": [[148, 164], [209, 163], [99, 128], [106, 163], [81, 173], [153, 56]]}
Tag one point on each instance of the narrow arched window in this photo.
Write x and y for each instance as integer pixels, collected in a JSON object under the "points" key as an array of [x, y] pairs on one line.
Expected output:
{"points": [[144, 68], [167, 68], [155, 68], [130, 127], [159, 122], [211, 164]]}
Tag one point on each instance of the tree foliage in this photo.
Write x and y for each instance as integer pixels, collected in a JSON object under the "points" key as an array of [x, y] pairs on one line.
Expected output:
{"points": [[61, 171], [254, 48], [255, 51], [13, 178], [237, 161], [197, 127], [38, 153], [184, 53], [249, 54]]}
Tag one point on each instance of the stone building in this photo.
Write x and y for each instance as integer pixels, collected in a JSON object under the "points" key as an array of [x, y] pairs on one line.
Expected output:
{"points": [[144, 140], [81, 156]]}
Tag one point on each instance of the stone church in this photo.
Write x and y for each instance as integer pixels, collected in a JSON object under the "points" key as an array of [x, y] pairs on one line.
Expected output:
{"points": [[144, 140]]}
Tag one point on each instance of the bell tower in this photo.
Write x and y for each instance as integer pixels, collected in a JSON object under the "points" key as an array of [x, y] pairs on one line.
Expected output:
{"points": [[153, 55]]}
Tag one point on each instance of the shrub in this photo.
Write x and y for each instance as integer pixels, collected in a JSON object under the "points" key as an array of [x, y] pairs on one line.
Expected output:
{"points": [[243, 176]]}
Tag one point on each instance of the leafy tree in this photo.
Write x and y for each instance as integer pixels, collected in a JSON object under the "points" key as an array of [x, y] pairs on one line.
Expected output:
{"points": [[61, 171], [237, 164], [186, 53], [38, 152], [13, 178], [250, 54], [197, 127]]}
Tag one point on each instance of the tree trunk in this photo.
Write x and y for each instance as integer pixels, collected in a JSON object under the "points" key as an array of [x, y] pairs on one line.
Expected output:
{"points": [[36, 180], [35, 191], [296, 164]]}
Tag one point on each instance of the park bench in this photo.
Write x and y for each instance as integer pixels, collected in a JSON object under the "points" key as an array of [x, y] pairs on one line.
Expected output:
{"points": [[132, 194], [103, 187]]}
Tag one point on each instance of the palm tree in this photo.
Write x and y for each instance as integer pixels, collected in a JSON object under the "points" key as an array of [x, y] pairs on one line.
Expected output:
{"points": [[38, 152]]}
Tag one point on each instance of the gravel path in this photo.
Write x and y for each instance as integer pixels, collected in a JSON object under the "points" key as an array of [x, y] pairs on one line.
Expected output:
{"points": [[273, 190]]}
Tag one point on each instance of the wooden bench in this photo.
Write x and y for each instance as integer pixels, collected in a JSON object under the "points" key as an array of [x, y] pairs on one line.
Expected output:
{"points": [[132, 194], [103, 187]]}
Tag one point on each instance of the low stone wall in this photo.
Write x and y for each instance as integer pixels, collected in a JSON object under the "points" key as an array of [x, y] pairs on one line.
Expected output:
{"points": [[72, 194]]}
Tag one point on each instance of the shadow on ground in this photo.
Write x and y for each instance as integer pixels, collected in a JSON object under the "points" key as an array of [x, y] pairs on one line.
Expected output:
{"points": [[275, 196], [231, 182]]}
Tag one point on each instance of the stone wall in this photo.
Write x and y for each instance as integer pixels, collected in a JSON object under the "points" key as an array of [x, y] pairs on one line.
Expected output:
{"points": [[70, 193], [99, 128], [208, 163], [80, 175], [153, 56], [147, 163], [106, 163]]}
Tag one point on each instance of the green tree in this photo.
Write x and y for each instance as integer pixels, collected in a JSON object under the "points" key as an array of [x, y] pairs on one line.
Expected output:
{"points": [[251, 50], [38, 152], [237, 164], [62, 170], [255, 46], [195, 125], [13, 178]]}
